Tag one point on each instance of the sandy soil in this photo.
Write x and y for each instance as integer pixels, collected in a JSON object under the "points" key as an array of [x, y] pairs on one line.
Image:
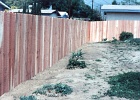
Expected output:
{"points": [[114, 59]]}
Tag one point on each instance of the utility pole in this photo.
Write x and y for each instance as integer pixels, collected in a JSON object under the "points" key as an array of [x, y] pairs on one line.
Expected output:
{"points": [[92, 4], [69, 9]]}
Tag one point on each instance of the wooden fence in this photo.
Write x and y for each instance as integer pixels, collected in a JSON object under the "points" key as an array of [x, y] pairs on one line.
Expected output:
{"points": [[29, 44], [107, 29]]}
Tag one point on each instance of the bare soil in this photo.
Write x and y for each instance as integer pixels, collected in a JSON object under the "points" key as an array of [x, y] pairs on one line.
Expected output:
{"points": [[102, 59]]}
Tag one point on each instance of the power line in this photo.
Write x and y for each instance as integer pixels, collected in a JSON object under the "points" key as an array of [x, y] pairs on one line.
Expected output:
{"points": [[106, 1], [97, 3], [94, 2]]}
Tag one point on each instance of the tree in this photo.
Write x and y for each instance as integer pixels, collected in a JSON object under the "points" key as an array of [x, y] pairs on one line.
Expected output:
{"points": [[17, 3], [25, 8], [3, 1], [36, 8], [114, 2], [77, 8], [46, 3], [95, 16], [70, 6]]}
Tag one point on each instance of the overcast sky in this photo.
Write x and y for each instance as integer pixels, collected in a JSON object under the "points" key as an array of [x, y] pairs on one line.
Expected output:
{"points": [[97, 3]]}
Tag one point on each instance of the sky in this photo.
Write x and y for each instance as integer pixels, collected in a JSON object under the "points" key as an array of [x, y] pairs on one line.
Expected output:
{"points": [[97, 3]]}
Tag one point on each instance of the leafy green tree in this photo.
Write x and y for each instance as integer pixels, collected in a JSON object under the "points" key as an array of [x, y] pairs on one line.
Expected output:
{"points": [[70, 6], [114, 2], [24, 8], [3, 1], [17, 3], [76, 8], [36, 8], [95, 16], [47, 3]]}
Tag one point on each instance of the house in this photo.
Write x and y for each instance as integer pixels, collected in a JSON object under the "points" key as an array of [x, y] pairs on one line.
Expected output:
{"points": [[3, 6], [54, 13], [16, 10], [51, 13], [121, 12]]}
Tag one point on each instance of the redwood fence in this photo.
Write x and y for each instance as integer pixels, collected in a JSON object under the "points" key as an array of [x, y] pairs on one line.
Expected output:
{"points": [[29, 44], [108, 29]]}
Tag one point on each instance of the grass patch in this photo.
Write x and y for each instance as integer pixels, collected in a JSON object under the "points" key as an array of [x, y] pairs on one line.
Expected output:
{"points": [[59, 88], [46, 88], [28, 97], [125, 85]]}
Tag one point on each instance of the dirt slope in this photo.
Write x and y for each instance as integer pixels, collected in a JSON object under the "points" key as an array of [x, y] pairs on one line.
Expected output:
{"points": [[102, 59]]}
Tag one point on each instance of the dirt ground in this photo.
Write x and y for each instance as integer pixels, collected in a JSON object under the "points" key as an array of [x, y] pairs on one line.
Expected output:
{"points": [[102, 59]]}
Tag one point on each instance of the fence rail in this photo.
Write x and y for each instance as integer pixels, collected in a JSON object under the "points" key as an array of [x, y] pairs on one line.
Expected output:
{"points": [[29, 44]]}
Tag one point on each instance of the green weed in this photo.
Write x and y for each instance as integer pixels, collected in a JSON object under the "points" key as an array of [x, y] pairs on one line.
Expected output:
{"points": [[44, 89], [28, 97], [74, 61], [63, 89], [125, 85], [88, 76], [114, 40]]}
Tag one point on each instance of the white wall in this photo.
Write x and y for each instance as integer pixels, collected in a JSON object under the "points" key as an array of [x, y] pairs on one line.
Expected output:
{"points": [[54, 15], [123, 16]]}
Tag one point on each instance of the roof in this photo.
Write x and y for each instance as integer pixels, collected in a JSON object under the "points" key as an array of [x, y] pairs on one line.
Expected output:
{"points": [[60, 13], [48, 11], [63, 13], [4, 5], [120, 8], [42, 11], [16, 10]]}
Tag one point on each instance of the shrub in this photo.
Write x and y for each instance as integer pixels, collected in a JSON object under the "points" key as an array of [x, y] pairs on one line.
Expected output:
{"points": [[114, 40], [64, 89], [125, 36], [125, 85], [74, 60], [28, 97], [105, 39]]}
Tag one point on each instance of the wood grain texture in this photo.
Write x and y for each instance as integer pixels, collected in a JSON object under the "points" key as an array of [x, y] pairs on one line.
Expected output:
{"points": [[1, 51], [6, 72]]}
